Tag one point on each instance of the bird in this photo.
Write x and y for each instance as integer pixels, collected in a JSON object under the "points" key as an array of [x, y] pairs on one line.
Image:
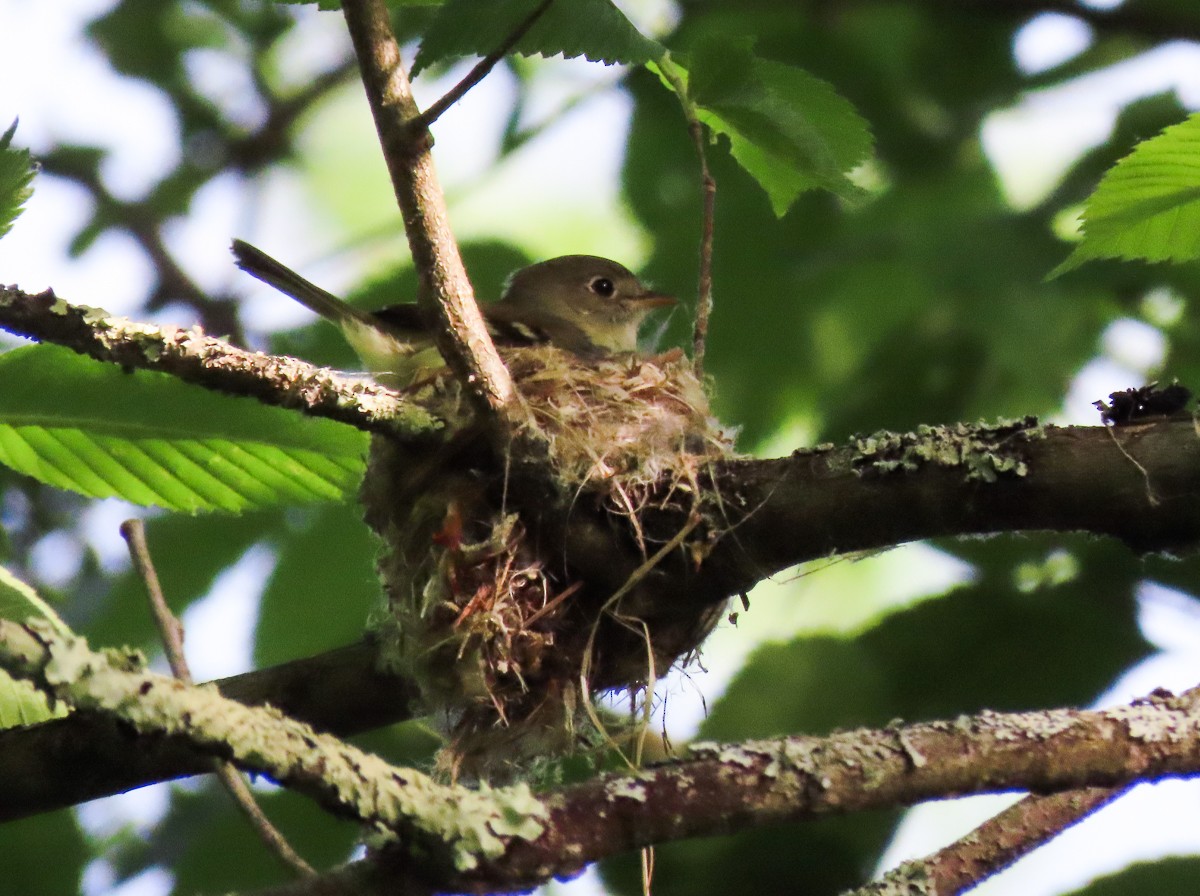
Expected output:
{"points": [[590, 306]]}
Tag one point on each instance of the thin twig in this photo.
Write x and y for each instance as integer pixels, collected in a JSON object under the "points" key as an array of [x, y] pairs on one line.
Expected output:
{"points": [[445, 292], [481, 69], [704, 300], [235, 783], [999, 842], [708, 193], [170, 630]]}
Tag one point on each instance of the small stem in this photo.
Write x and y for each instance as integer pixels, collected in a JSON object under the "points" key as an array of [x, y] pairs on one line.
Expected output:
{"points": [[481, 69], [235, 783], [170, 629], [708, 193], [704, 301]]}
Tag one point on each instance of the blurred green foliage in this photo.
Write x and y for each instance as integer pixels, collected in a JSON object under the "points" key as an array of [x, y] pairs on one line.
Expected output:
{"points": [[921, 299]]}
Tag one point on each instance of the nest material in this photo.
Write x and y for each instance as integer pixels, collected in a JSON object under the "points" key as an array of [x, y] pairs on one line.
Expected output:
{"points": [[497, 631], [626, 422]]}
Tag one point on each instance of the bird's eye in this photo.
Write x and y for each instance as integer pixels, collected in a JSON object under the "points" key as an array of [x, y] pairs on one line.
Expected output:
{"points": [[602, 287]]}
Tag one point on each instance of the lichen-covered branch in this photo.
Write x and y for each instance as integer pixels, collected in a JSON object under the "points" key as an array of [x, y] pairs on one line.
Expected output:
{"points": [[450, 828], [85, 755], [213, 363], [445, 290], [508, 839], [1139, 483], [994, 845], [720, 789]]}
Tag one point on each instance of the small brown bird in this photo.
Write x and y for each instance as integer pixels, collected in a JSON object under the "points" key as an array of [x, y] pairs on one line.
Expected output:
{"points": [[587, 305]]}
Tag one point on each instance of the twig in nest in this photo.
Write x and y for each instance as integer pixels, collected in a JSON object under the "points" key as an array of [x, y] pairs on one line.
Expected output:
{"points": [[554, 602], [609, 609], [171, 631]]}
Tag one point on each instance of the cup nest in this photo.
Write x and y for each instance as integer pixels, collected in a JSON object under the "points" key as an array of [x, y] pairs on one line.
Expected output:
{"points": [[506, 641]]}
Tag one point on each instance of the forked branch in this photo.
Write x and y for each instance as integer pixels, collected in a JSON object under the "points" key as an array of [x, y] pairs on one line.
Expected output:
{"points": [[445, 291]]}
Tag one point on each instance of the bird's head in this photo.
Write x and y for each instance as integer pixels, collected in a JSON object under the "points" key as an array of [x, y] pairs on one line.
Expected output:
{"points": [[581, 299]]}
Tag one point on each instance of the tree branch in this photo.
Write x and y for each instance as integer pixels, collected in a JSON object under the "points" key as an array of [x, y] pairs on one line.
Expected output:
{"points": [[720, 789], [86, 755], [715, 789], [445, 292], [1139, 483], [995, 844], [212, 363], [441, 826]]}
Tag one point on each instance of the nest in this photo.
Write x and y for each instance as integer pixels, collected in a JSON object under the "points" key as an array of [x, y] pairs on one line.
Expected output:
{"points": [[506, 641]]}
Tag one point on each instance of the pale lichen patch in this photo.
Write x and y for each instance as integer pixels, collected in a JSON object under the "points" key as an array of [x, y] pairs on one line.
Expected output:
{"points": [[735, 755], [985, 452], [629, 789], [1043, 726], [1155, 723], [1001, 728], [470, 823], [908, 879]]}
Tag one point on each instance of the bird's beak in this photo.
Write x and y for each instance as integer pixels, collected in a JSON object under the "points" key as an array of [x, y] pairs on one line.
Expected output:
{"points": [[650, 300]]}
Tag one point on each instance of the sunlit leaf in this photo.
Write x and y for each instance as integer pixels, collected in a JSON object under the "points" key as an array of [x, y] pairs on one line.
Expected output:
{"points": [[791, 131], [88, 427], [594, 29], [1148, 205], [17, 169]]}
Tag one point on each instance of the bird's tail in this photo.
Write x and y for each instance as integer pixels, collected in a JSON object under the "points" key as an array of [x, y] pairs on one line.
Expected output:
{"points": [[261, 266]]}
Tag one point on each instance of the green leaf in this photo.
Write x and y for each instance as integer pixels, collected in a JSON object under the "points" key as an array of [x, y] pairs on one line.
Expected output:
{"points": [[1148, 205], [145, 437], [1173, 876], [327, 551], [20, 702], [18, 601], [31, 869], [791, 131], [594, 29], [17, 169]]}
